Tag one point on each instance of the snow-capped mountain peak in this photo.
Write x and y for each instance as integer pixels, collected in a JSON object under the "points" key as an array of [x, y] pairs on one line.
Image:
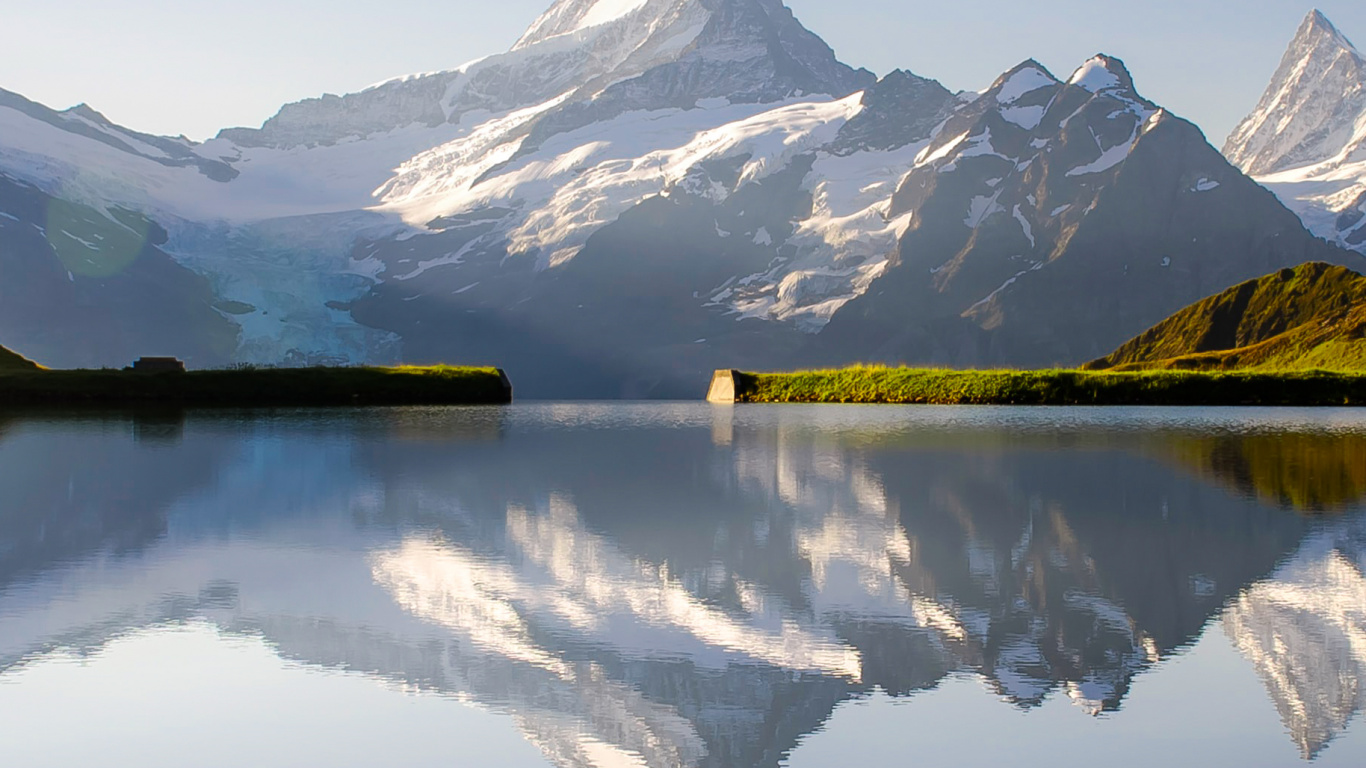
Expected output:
{"points": [[602, 58], [566, 17], [1102, 73], [1312, 109], [1306, 139]]}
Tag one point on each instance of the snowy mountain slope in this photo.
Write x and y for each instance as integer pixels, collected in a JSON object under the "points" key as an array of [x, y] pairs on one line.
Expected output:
{"points": [[1306, 140], [85, 122], [608, 55], [411, 150]]}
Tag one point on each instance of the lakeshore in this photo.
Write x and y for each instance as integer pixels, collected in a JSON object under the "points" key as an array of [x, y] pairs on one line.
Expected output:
{"points": [[258, 387], [918, 386]]}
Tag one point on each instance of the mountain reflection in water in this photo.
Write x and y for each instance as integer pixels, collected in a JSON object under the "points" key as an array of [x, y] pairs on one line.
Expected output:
{"points": [[695, 586]]}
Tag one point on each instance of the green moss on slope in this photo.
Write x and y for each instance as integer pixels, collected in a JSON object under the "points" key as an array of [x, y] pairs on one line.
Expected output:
{"points": [[1312, 317]]}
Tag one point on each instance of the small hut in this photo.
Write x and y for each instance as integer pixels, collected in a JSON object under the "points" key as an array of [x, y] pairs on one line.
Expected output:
{"points": [[158, 365]]}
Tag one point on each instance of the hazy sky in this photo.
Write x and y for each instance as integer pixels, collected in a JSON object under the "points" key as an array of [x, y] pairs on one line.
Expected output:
{"points": [[192, 66]]}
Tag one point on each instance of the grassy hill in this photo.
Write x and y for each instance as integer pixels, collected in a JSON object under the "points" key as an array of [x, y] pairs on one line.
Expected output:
{"points": [[1312, 317], [13, 361]]}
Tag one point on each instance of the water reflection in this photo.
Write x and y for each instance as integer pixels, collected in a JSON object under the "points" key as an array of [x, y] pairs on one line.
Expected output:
{"points": [[1305, 631], [1313, 472], [688, 586]]}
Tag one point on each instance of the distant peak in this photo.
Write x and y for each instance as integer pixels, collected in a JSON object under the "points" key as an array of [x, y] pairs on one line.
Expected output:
{"points": [[570, 16], [1318, 30], [1028, 64], [84, 110], [1025, 78], [1102, 73]]}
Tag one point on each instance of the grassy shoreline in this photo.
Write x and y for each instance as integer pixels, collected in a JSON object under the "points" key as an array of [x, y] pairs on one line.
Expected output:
{"points": [[271, 387], [866, 384]]}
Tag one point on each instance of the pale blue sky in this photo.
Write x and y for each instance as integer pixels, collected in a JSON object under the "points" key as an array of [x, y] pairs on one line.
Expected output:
{"points": [[192, 67]]}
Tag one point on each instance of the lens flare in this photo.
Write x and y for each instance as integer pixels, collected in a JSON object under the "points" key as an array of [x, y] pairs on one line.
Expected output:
{"points": [[90, 243]]}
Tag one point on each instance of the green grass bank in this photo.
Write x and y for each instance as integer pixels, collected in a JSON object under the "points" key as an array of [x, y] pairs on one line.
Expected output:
{"points": [[1050, 387], [262, 387]]}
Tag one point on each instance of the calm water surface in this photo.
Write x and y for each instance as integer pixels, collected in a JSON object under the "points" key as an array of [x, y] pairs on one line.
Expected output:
{"points": [[684, 585]]}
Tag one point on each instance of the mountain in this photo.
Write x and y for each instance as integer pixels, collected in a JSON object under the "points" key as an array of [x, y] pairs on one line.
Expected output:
{"points": [[1050, 219], [1306, 139], [633, 195], [1310, 317]]}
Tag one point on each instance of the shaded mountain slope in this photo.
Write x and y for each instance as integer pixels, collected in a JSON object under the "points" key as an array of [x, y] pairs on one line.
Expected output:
{"points": [[93, 288], [1052, 220], [1312, 316]]}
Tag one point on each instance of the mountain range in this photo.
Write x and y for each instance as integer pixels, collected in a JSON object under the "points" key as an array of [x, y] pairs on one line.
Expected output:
{"points": [[637, 193]]}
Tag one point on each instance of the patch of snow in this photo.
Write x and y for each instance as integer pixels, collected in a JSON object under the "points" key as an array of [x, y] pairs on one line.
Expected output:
{"points": [[762, 237], [1095, 76], [1037, 266], [927, 157], [977, 146], [1059, 210], [1319, 193], [134, 144], [841, 248], [1027, 118], [980, 209], [1025, 81], [607, 11], [1109, 158], [1024, 224], [453, 259], [86, 243], [1205, 185]]}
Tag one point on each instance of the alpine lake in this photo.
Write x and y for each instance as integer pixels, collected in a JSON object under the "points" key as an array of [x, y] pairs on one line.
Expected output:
{"points": [[686, 584]]}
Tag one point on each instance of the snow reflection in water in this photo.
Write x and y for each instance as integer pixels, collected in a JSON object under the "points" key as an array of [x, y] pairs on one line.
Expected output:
{"points": [[683, 585]]}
